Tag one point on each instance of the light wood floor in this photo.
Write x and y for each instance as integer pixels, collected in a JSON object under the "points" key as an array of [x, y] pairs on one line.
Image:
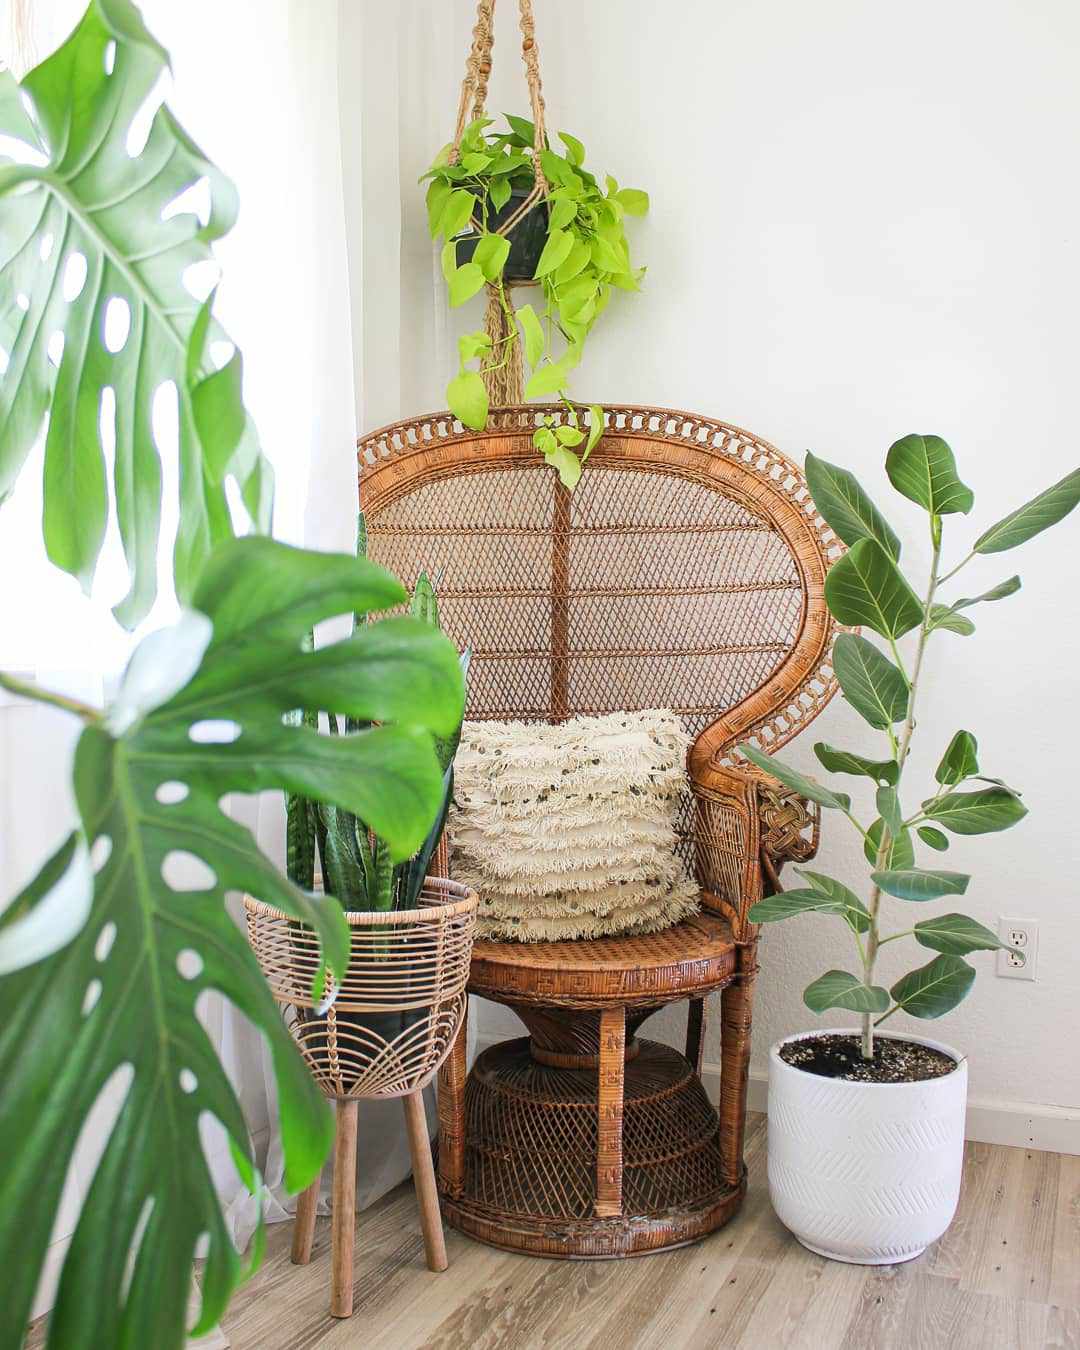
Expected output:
{"points": [[1006, 1276]]}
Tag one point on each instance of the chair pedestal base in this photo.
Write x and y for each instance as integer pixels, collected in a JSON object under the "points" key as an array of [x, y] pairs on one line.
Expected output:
{"points": [[531, 1154]]}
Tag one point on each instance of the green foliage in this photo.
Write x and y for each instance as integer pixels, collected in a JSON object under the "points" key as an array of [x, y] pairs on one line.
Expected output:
{"points": [[200, 714], [585, 256], [89, 199], [865, 588]]}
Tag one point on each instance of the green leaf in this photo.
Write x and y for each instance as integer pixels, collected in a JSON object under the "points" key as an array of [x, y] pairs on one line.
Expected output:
{"points": [[787, 903], [982, 812], [844, 761], [575, 151], [918, 883], [957, 934], [934, 838], [942, 616], [556, 250], [596, 429], [606, 257], [124, 991], [456, 213], [569, 435], [563, 212], [500, 192], [1033, 517], [888, 805], [438, 194], [91, 198], [468, 400], [960, 760], [472, 345], [805, 787], [547, 379], [465, 282], [573, 264], [568, 465], [999, 592], [490, 255], [934, 989], [632, 200], [522, 128], [873, 686], [922, 468], [865, 587], [534, 334], [901, 853], [839, 989], [846, 901], [475, 162], [845, 506]]}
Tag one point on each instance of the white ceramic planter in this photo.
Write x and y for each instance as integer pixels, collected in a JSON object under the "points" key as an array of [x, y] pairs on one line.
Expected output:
{"points": [[865, 1172]]}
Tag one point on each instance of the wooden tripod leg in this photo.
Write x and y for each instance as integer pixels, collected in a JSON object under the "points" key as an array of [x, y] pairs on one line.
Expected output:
{"points": [[427, 1197], [609, 1159], [452, 1077], [736, 1007], [343, 1220], [303, 1232]]}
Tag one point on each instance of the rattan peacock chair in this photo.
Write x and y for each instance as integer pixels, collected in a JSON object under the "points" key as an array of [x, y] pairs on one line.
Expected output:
{"points": [[685, 571]]}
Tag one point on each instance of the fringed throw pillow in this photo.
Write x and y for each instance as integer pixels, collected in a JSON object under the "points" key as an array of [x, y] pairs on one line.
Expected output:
{"points": [[568, 830]]}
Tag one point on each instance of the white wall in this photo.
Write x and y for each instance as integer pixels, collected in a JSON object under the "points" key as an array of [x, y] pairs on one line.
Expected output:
{"points": [[864, 223]]}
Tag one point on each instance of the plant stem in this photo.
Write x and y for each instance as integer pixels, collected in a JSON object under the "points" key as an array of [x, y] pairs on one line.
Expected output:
{"points": [[873, 941], [28, 689]]}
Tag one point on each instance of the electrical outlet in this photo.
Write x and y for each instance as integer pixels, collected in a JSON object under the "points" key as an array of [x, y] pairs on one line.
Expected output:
{"points": [[1017, 959]]}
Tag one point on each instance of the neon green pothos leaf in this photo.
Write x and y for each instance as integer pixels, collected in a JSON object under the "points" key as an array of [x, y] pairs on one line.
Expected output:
{"points": [[120, 998], [87, 240]]}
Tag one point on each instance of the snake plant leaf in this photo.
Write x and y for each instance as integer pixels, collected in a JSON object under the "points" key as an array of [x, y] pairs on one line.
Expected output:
{"points": [[981, 812], [840, 989], [885, 771], [960, 760], [846, 507], [96, 243], [847, 902], [1032, 518], [870, 682], [866, 587], [958, 934], [919, 883], [936, 988], [125, 990], [922, 468], [792, 778]]}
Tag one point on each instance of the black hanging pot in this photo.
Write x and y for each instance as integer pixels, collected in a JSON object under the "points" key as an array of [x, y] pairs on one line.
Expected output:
{"points": [[527, 238]]}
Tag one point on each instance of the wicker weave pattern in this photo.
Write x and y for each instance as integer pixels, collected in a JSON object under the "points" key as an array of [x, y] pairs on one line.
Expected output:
{"points": [[402, 1000]]}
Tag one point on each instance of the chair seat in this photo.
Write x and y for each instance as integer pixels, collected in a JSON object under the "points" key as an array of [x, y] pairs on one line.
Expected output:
{"points": [[684, 961]]}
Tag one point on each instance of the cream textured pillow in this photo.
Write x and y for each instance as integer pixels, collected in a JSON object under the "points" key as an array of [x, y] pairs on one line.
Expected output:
{"points": [[568, 830]]}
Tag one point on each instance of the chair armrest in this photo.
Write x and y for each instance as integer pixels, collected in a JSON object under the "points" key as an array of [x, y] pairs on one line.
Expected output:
{"points": [[746, 826]]}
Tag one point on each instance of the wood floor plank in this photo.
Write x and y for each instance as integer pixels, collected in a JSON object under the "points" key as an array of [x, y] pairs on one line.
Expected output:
{"points": [[939, 1314]]}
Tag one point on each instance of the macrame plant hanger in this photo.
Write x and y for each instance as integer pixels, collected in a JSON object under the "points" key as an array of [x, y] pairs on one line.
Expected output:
{"points": [[505, 383]]}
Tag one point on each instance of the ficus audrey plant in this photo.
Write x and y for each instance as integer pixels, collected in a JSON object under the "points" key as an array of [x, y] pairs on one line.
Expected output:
{"points": [[586, 255], [866, 588], [107, 952]]}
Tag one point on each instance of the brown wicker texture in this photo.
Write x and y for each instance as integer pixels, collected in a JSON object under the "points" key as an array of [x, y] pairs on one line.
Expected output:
{"points": [[394, 1020], [686, 571]]}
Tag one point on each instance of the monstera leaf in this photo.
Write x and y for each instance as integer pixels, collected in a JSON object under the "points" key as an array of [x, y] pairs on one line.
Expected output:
{"points": [[95, 315], [116, 1005]]}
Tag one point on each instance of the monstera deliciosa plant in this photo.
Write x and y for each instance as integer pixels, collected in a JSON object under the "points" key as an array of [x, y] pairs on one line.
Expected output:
{"points": [[105, 955], [866, 588]]}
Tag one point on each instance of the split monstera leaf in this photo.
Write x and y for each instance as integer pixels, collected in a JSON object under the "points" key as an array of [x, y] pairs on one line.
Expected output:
{"points": [[866, 588], [112, 1008], [100, 310]]}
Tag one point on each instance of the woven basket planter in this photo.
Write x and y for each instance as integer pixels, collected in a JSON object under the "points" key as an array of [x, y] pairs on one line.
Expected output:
{"points": [[403, 998]]}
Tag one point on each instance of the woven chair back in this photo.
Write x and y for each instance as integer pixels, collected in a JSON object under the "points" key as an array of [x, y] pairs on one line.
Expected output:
{"points": [[685, 571]]}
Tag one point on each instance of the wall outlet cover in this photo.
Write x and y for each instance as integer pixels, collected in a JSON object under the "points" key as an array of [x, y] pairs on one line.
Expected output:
{"points": [[1018, 958]]}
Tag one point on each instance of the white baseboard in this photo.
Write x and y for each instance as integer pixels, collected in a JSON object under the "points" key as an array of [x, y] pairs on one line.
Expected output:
{"points": [[1051, 1129]]}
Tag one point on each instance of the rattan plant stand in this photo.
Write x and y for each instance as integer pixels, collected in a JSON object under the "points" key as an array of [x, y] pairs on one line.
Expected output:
{"points": [[686, 571], [395, 1018]]}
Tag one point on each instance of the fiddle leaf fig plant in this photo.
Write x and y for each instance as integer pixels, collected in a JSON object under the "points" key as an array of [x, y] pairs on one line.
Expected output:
{"points": [[100, 254], [865, 587], [586, 255]]}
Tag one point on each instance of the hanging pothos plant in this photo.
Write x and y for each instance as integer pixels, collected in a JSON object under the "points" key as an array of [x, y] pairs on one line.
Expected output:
{"points": [[474, 203], [105, 954]]}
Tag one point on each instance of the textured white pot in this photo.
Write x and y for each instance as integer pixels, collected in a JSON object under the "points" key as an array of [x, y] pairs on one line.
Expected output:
{"points": [[865, 1172]]}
